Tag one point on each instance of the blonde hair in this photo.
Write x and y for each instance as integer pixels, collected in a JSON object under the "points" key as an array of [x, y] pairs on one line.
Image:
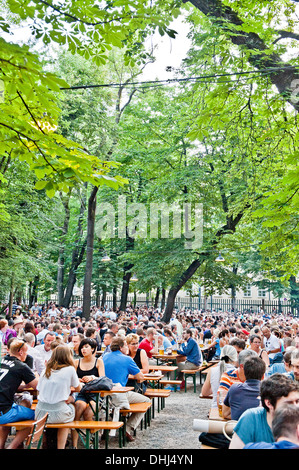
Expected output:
{"points": [[131, 337], [61, 357]]}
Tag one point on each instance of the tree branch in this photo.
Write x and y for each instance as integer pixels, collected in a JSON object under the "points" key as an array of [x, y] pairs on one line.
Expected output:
{"points": [[282, 75]]}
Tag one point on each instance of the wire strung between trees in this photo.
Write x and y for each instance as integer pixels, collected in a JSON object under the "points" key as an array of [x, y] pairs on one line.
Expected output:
{"points": [[202, 78]]}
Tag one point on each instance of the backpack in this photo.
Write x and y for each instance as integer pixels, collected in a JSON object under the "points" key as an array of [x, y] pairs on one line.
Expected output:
{"points": [[100, 383]]}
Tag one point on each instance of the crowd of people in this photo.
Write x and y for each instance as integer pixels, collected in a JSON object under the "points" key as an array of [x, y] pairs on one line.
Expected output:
{"points": [[55, 350]]}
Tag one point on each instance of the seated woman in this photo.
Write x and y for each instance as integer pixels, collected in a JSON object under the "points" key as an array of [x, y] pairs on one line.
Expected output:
{"points": [[255, 342], [171, 336], [88, 368], [139, 356], [223, 337], [54, 388], [214, 346], [228, 360]]}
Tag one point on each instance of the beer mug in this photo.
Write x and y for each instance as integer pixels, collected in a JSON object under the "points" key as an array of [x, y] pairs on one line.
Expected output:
{"points": [[161, 351], [221, 396]]}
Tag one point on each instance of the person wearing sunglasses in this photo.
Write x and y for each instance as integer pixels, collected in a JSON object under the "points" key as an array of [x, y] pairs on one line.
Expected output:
{"points": [[15, 376]]}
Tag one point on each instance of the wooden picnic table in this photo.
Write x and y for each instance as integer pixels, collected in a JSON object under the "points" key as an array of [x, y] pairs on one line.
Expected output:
{"points": [[175, 358], [162, 368]]}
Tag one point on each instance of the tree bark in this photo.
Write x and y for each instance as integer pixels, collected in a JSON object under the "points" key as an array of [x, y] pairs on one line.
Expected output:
{"points": [[223, 16], [114, 297], [61, 257], [163, 299], [157, 297], [127, 275], [34, 290], [104, 297], [125, 286]]}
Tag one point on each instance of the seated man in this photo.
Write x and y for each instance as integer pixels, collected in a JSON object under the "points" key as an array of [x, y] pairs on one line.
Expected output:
{"points": [[285, 429], [237, 375], [12, 373], [193, 356], [271, 343], [242, 396], [118, 367], [284, 367], [107, 341], [44, 349], [150, 343], [255, 424]]}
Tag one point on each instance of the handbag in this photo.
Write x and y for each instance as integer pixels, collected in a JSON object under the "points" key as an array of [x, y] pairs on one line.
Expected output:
{"points": [[100, 383], [217, 440]]}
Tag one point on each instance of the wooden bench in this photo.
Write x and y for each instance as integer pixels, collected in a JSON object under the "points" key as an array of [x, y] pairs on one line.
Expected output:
{"points": [[161, 394], [92, 427], [192, 373], [89, 427], [136, 408], [175, 383]]}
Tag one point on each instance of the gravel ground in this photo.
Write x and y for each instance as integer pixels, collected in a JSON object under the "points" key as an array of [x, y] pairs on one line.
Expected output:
{"points": [[172, 428]]}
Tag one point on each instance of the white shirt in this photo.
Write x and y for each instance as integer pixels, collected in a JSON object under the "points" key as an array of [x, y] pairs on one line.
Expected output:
{"points": [[45, 355], [113, 316], [57, 387], [272, 343], [38, 362], [52, 312], [40, 336]]}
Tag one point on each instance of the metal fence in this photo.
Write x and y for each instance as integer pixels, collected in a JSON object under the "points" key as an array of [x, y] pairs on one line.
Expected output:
{"points": [[208, 303], [239, 305]]}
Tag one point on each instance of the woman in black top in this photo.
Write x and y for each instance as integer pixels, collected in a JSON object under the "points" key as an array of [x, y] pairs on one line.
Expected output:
{"points": [[88, 368], [139, 356]]}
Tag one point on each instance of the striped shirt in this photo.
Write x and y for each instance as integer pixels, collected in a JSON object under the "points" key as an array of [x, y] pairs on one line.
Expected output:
{"points": [[229, 378]]}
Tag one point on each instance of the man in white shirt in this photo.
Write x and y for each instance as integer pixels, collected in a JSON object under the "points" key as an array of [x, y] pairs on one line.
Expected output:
{"points": [[38, 362], [53, 312], [271, 343], [42, 331], [45, 350]]}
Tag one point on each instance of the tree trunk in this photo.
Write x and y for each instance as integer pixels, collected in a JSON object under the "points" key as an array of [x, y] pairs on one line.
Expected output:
{"points": [[175, 289], [114, 297], [157, 297], [125, 286], [233, 290], [33, 296], [127, 275], [223, 16], [89, 253], [104, 297], [11, 295], [163, 299], [77, 255], [61, 257]]}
